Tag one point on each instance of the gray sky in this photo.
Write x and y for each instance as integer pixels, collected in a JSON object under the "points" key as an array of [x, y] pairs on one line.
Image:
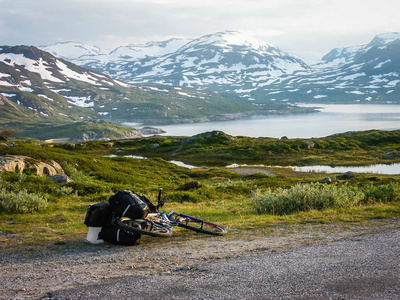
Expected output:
{"points": [[307, 28]]}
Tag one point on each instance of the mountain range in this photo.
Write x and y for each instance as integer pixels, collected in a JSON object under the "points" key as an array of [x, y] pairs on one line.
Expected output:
{"points": [[37, 88], [233, 64], [220, 76]]}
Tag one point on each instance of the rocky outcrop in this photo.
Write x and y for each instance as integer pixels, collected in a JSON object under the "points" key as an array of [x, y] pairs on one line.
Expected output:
{"points": [[95, 136], [151, 130], [21, 163], [42, 168], [12, 164]]}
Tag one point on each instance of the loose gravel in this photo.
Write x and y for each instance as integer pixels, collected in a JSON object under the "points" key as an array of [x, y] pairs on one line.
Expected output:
{"points": [[312, 261]]}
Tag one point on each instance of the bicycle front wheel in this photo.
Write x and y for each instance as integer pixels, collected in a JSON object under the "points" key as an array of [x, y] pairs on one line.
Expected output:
{"points": [[145, 226], [198, 225]]}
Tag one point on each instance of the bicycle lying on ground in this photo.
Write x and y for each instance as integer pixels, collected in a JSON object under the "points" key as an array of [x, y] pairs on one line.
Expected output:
{"points": [[160, 224]]}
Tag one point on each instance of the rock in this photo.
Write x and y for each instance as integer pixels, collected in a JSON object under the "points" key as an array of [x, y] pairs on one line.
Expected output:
{"points": [[310, 144], [151, 130], [326, 180], [57, 166], [19, 163], [43, 169], [391, 155], [60, 178], [346, 175], [12, 164]]}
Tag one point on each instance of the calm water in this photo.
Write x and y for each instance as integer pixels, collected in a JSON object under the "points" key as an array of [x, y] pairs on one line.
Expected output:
{"points": [[330, 120], [377, 169], [390, 169]]}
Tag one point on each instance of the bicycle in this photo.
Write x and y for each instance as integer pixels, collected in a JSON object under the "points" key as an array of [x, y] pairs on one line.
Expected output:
{"points": [[160, 224]]}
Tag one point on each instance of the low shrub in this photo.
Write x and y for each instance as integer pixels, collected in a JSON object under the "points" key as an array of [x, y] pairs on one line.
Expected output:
{"points": [[63, 191], [184, 196], [304, 197], [75, 174], [21, 202], [383, 193]]}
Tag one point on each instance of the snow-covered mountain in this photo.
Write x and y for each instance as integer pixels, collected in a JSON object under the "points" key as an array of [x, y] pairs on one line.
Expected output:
{"points": [[359, 74], [36, 86], [240, 66], [341, 56], [226, 62], [97, 58], [72, 50]]}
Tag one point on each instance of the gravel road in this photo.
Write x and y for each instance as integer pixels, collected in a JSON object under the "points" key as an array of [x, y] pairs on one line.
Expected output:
{"points": [[296, 262]]}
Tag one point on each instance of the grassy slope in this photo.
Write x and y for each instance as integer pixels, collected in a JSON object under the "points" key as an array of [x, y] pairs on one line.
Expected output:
{"points": [[218, 148]]}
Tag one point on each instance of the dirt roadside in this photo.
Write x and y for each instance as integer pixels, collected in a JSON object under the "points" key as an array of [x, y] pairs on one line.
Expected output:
{"points": [[34, 274]]}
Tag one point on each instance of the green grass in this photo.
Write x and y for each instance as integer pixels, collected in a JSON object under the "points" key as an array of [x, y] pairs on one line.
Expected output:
{"points": [[218, 149], [214, 193]]}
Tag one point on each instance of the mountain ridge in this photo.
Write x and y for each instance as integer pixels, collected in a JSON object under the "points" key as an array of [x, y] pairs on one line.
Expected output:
{"points": [[236, 65]]}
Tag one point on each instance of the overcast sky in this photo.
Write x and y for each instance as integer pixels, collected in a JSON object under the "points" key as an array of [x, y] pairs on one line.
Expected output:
{"points": [[307, 28]]}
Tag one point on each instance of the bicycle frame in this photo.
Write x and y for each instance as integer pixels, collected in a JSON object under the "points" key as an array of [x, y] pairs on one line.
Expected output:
{"points": [[185, 221], [161, 223]]}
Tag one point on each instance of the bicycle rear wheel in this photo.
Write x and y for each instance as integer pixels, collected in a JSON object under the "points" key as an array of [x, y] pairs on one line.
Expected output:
{"points": [[198, 225], [145, 226]]}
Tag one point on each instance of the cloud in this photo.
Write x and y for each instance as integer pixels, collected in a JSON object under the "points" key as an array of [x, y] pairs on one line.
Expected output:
{"points": [[302, 27]]}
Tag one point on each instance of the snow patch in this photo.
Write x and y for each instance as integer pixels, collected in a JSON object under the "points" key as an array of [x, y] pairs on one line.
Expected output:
{"points": [[320, 96], [382, 63], [8, 95], [80, 101]]}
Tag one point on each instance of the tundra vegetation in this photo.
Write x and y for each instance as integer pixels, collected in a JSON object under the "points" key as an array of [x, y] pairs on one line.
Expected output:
{"points": [[36, 211]]}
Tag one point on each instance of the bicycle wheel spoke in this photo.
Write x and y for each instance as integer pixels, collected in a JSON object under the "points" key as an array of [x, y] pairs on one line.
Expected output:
{"points": [[143, 227]]}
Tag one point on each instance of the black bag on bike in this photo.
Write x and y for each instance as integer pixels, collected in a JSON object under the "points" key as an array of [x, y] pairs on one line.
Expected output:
{"points": [[117, 236], [98, 215], [127, 204]]}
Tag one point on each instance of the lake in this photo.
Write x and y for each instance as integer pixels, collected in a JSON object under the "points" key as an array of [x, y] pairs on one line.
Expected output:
{"points": [[330, 120]]}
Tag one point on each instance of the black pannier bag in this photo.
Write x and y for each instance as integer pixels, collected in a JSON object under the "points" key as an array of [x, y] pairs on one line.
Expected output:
{"points": [[152, 207], [127, 204], [98, 215], [117, 236]]}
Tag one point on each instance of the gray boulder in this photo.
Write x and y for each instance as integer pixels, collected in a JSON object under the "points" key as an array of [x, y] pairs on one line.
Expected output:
{"points": [[60, 178], [326, 180], [391, 155], [346, 175]]}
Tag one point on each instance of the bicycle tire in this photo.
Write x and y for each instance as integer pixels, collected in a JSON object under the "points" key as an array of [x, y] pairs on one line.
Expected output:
{"points": [[199, 225], [143, 226]]}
